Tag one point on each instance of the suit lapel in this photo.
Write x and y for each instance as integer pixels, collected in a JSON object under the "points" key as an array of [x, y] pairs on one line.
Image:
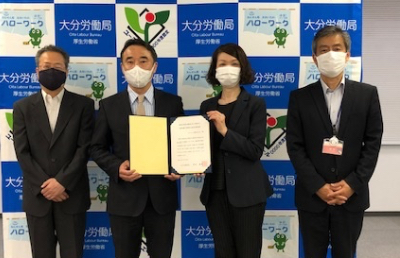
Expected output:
{"points": [[159, 104], [213, 105], [319, 99], [66, 111], [239, 108], [41, 116], [125, 104], [346, 107]]}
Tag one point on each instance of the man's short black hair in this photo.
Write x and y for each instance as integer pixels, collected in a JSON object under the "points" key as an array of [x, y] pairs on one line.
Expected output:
{"points": [[139, 42]]}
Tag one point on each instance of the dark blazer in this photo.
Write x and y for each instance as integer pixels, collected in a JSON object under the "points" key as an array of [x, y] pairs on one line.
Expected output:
{"points": [[360, 128], [62, 155], [110, 148], [247, 183]]}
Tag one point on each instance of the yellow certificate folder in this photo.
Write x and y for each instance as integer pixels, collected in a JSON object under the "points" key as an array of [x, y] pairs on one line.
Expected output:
{"points": [[148, 142]]}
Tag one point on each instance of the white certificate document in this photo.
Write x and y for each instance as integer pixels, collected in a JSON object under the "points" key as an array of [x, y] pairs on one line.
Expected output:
{"points": [[190, 145]]}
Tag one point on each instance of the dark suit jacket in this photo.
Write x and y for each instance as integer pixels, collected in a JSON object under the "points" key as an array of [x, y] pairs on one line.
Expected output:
{"points": [[62, 155], [360, 128], [247, 183], [110, 147]]}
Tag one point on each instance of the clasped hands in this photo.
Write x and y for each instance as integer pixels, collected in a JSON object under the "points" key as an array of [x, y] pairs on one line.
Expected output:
{"points": [[52, 190], [128, 175], [335, 193]]}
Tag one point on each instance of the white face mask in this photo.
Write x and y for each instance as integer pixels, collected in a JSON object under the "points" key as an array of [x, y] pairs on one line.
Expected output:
{"points": [[138, 77], [332, 63], [228, 76]]}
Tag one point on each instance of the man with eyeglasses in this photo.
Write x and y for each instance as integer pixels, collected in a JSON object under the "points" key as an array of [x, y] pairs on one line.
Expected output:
{"points": [[52, 133]]}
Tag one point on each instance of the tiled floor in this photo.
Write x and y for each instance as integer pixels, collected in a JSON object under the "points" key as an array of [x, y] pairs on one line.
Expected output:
{"points": [[380, 237]]}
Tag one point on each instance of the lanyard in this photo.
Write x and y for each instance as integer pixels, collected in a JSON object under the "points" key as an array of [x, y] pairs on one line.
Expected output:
{"points": [[335, 131], [336, 122]]}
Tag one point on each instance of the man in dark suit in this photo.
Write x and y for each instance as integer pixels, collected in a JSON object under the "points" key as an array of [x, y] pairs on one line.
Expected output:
{"points": [[52, 132], [334, 132], [136, 203]]}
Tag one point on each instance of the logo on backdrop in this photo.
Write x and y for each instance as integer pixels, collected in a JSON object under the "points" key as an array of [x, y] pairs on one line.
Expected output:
{"points": [[18, 229], [276, 22], [98, 183], [217, 89], [279, 234], [197, 239], [193, 86], [102, 191], [275, 137], [280, 37], [274, 123], [98, 89], [144, 243], [150, 19], [92, 78], [9, 118], [29, 22], [35, 37], [280, 242], [195, 75], [194, 181]]}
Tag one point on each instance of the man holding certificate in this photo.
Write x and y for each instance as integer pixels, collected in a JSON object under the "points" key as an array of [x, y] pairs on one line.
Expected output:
{"points": [[136, 203]]}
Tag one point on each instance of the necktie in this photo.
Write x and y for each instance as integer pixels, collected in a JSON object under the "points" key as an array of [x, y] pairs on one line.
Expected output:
{"points": [[140, 107]]}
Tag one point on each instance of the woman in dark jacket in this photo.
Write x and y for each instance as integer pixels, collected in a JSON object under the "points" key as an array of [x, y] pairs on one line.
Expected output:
{"points": [[236, 191]]}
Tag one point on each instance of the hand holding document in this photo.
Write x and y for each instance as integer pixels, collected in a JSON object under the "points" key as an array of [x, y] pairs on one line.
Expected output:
{"points": [[148, 145], [190, 145]]}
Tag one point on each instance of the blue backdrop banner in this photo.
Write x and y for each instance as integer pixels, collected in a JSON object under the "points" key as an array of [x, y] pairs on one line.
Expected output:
{"points": [[276, 35]]}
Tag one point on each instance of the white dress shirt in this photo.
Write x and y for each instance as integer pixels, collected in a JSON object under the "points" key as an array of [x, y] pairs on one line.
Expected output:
{"points": [[53, 107], [333, 100]]}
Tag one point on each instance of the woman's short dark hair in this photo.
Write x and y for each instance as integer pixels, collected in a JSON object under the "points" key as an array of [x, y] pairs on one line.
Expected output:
{"points": [[139, 42], [246, 73]]}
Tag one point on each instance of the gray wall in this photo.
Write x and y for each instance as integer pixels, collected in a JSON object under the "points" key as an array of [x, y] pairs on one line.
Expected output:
{"points": [[381, 67]]}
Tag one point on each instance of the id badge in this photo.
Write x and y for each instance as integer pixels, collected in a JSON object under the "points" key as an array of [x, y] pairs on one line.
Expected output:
{"points": [[332, 146]]}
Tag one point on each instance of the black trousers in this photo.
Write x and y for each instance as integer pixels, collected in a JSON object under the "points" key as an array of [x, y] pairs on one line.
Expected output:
{"points": [[237, 231], [158, 230], [336, 226], [56, 226]]}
